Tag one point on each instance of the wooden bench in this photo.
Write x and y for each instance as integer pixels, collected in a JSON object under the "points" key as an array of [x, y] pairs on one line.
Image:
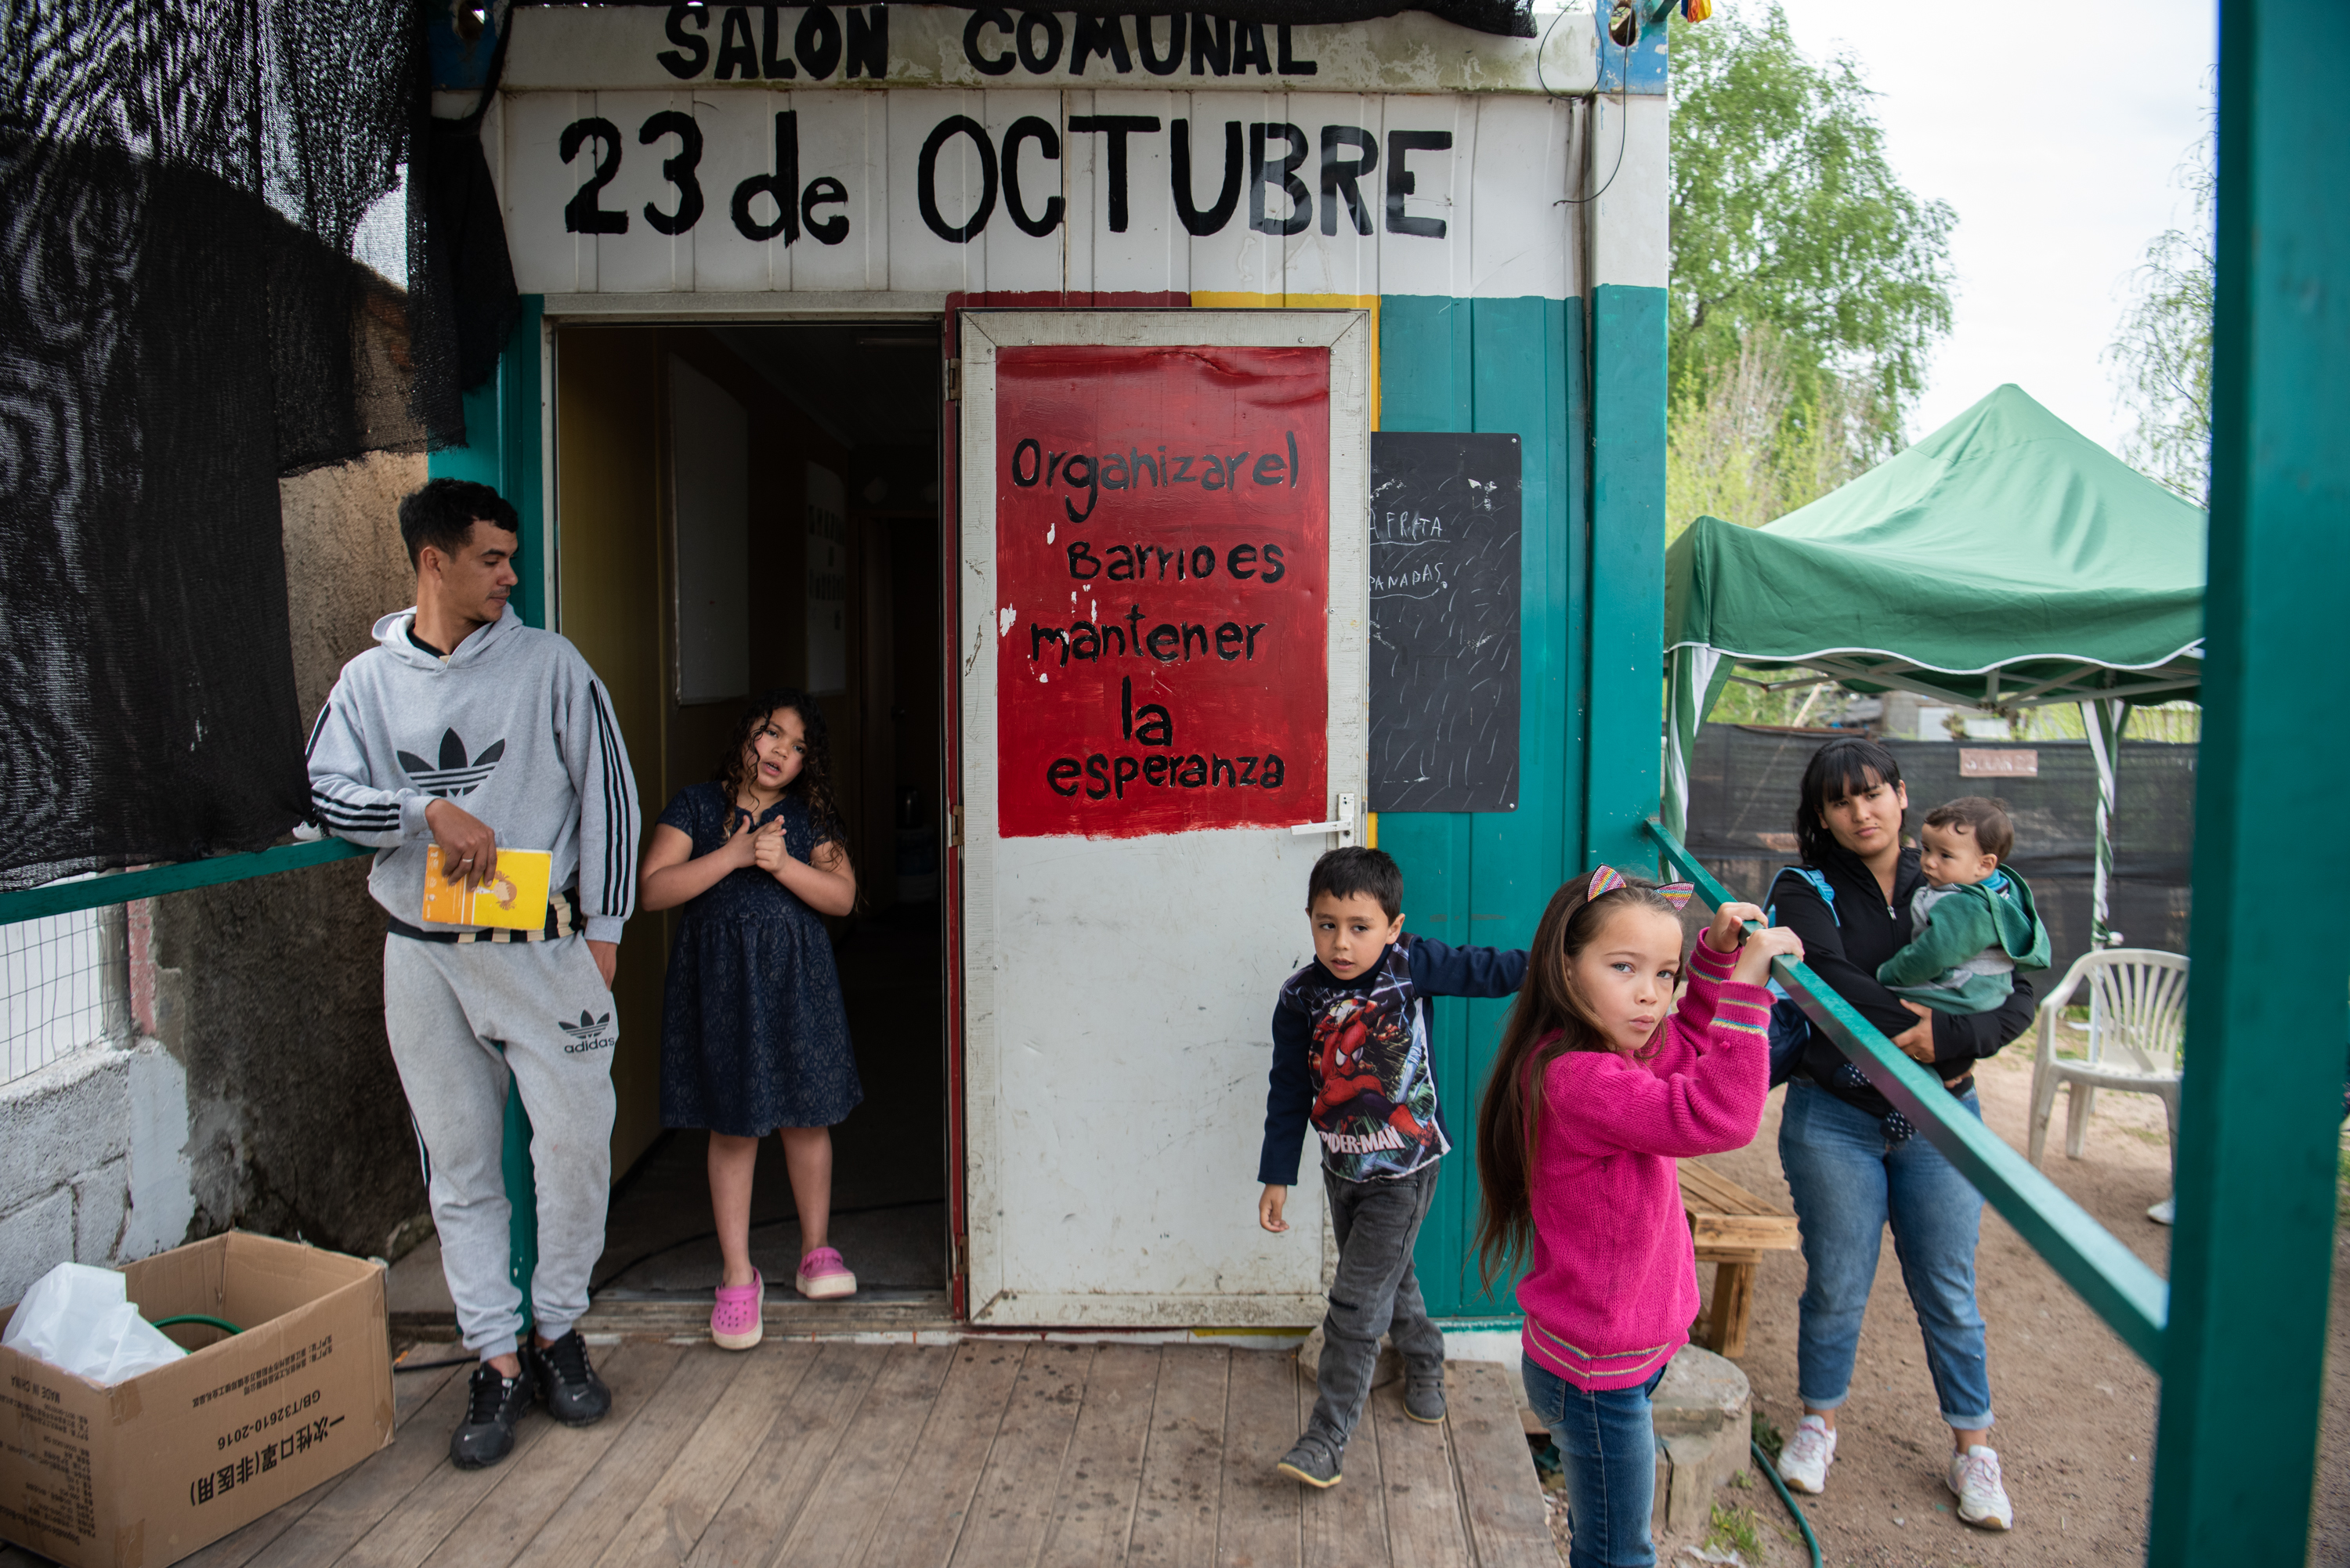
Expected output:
{"points": [[1732, 1229]]}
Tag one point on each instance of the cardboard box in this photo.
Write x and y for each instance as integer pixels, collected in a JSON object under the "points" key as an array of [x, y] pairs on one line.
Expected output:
{"points": [[153, 1469]]}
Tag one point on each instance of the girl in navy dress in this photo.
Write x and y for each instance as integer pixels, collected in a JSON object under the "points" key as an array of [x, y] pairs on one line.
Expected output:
{"points": [[753, 1039]]}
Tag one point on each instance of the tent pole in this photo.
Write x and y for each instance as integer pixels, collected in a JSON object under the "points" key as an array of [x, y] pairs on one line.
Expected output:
{"points": [[2103, 719], [1692, 667]]}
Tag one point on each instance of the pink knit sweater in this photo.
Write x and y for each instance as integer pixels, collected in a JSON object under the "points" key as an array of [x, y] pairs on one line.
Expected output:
{"points": [[1612, 1289]]}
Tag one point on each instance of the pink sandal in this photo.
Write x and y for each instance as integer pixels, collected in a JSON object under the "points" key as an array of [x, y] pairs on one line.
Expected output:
{"points": [[734, 1321], [825, 1277]]}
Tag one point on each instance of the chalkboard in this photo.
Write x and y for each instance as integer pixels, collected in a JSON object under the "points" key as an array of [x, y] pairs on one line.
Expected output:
{"points": [[1444, 621]]}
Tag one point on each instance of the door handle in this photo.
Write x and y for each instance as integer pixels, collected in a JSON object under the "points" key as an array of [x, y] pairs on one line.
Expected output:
{"points": [[1344, 825]]}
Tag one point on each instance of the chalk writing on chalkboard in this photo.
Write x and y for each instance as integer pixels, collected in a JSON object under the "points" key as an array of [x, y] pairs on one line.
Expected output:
{"points": [[1444, 621]]}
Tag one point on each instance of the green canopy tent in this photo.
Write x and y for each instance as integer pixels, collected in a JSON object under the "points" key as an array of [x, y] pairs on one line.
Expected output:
{"points": [[2004, 562]]}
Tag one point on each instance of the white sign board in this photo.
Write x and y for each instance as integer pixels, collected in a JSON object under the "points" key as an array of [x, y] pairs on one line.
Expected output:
{"points": [[1418, 158]]}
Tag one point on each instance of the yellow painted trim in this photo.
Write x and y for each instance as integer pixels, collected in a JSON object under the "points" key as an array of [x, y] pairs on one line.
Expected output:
{"points": [[1370, 830], [1370, 302]]}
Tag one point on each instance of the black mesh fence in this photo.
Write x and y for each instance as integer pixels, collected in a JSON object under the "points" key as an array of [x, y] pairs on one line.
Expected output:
{"points": [[181, 323], [1741, 814]]}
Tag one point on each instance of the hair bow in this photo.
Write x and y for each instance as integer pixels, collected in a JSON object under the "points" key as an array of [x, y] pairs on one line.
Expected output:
{"points": [[1606, 880]]}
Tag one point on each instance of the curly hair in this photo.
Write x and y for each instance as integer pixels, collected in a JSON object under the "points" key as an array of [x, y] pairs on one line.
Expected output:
{"points": [[1550, 1018], [814, 784]]}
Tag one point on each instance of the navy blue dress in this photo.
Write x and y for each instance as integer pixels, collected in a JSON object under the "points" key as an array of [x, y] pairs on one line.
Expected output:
{"points": [[753, 1035]]}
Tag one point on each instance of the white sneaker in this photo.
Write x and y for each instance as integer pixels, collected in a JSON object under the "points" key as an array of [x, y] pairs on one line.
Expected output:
{"points": [[1804, 1462], [1982, 1501]]}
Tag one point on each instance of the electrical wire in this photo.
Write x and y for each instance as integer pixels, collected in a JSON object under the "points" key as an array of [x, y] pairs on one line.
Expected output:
{"points": [[1771, 1470], [1623, 130]]}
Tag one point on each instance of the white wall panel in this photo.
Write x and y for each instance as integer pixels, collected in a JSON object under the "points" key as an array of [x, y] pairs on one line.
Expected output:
{"points": [[1154, 253], [1333, 256], [1441, 193], [643, 260], [1015, 259], [1237, 258], [738, 131], [846, 135], [547, 258], [1627, 156], [1520, 174], [920, 259]]}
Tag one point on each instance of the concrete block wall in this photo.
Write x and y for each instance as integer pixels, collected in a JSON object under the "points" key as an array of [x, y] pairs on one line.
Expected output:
{"points": [[93, 1162]]}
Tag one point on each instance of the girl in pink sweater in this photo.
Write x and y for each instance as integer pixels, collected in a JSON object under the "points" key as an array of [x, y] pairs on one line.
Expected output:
{"points": [[1595, 1094]]}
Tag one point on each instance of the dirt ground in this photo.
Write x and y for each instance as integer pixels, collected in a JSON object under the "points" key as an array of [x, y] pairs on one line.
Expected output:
{"points": [[2075, 1409]]}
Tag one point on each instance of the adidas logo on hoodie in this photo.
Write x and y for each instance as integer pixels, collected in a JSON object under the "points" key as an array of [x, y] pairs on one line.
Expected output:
{"points": [[455, 775]]}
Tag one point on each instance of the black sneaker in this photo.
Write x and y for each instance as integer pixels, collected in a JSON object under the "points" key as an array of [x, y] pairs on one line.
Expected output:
{"points": [[496, 1402], [1312, 1462], [1423, 1396], [575, 1395]]}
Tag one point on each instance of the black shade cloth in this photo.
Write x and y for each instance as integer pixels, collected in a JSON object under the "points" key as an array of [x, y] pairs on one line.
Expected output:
{"points": [[181, 323], [1507, 18], [1741, 822]]}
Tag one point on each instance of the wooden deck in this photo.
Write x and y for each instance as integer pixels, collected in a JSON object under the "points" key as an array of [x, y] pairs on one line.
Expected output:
{"points": [[991, 1453]]}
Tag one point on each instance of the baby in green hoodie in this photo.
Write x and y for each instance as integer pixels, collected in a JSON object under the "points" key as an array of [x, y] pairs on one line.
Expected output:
{"points": [[1974, 919]]}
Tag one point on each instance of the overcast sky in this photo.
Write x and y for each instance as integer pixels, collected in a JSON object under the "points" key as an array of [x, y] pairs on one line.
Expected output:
{"points": [[2053, 134]]}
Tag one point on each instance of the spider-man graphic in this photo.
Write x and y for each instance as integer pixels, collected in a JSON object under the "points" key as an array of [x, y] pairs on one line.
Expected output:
{"points": [[1362, 1053]]}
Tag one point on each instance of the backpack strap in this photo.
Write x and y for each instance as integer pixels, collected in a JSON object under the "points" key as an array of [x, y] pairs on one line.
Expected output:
{"points": [[1819, 885]]}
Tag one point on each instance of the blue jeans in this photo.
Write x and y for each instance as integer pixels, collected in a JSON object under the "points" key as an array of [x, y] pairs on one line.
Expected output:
{"points": [[1607, 1442], [1848, 1180]]}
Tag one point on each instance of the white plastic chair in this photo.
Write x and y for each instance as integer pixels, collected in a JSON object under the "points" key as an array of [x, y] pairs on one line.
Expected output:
{"points": [[2138, 1015]]}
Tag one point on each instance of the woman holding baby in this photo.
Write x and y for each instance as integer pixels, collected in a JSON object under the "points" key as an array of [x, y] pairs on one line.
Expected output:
{"points": [[1853, 1162]]}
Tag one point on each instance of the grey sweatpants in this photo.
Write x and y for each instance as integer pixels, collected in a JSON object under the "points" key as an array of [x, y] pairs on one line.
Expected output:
{"points": [[1375, 1292], [448, 1007]]}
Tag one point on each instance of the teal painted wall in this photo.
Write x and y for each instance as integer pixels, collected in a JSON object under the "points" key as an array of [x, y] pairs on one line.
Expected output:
{"points": [[1626, 628], [1514, 365], [502, 451]]}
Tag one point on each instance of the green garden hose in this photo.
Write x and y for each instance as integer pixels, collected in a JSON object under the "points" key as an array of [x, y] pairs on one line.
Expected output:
{"points": [[204, 1318], [1771, 1470]]}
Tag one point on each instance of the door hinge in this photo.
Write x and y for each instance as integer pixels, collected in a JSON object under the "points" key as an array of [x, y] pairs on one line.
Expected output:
{"points": [[954, 381], [958, 1261], [955, 830]]}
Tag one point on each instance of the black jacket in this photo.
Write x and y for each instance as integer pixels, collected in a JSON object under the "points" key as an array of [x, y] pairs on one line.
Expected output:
{"points": [[1846, 954]]}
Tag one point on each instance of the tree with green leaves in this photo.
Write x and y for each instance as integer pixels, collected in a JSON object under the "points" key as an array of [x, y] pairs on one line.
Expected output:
{"points": [[2164, 350], [1802, 267]]}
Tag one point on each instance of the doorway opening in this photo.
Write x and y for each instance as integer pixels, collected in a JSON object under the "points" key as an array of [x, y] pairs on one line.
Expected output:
{"points": [[738, 507]]}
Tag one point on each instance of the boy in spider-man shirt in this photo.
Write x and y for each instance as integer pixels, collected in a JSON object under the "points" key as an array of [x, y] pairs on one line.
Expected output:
{"points": [[1350, 1055]]}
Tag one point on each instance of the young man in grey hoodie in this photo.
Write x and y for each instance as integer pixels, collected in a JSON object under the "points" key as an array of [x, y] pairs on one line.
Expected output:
{"points": [[462, 703]]}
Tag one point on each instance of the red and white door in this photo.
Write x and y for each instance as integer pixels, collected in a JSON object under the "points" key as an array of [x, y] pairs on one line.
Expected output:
{"points": [[1163, 655]]}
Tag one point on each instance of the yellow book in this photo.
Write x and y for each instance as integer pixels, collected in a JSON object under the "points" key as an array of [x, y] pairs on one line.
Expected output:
{"points": [[515, 897]]}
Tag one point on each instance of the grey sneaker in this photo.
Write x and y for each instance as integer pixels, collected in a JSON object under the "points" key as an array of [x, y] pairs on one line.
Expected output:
{"points": [[1423, 1396], [1311, 1461]]}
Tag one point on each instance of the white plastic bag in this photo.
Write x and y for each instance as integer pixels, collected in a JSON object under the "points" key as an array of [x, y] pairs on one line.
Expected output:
{"points": [[80, 1319]]}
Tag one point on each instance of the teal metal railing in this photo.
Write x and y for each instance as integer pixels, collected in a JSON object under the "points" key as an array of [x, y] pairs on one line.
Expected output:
{"points": [[2131, 1297], [154, 881]]}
